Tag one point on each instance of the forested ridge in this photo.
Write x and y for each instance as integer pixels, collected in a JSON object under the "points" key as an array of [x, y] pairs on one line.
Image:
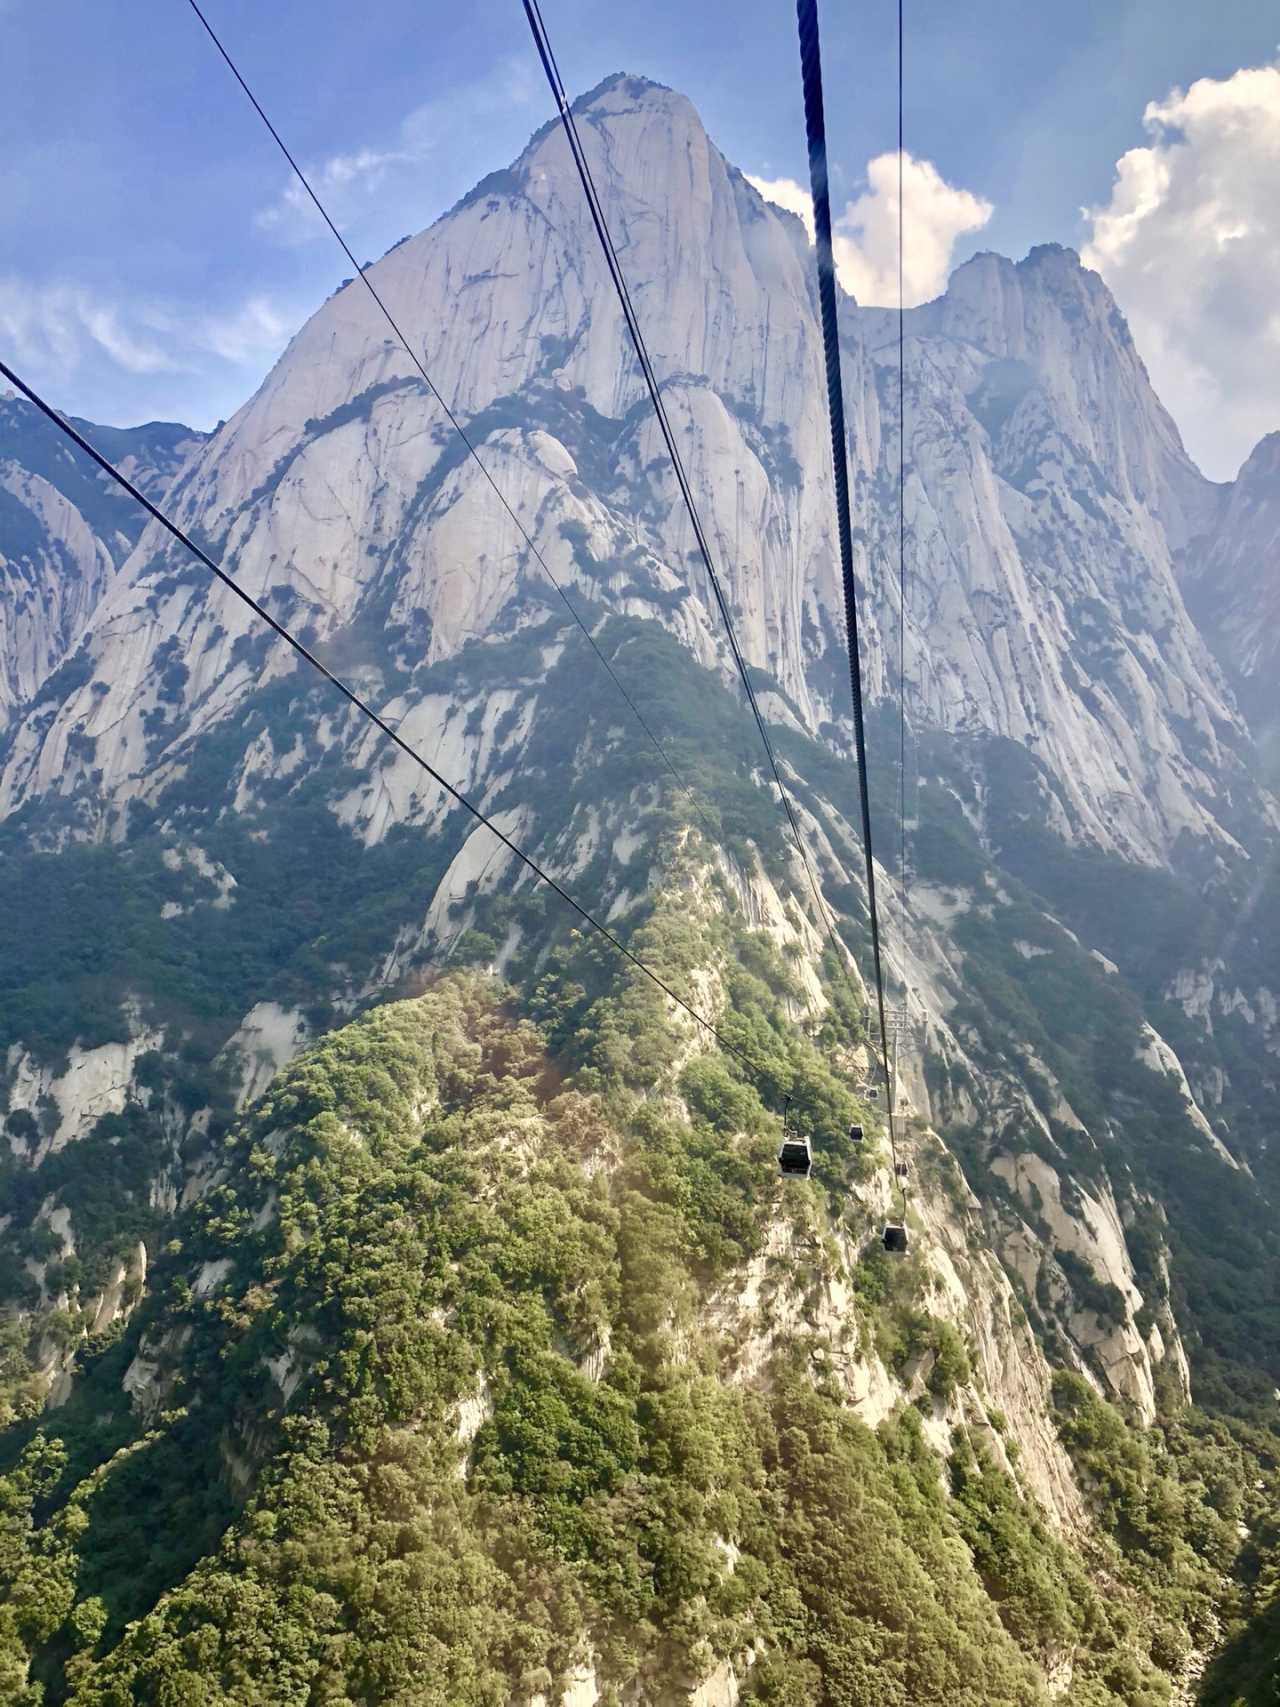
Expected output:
{"points": [[440, 1394], [276, 1505]]}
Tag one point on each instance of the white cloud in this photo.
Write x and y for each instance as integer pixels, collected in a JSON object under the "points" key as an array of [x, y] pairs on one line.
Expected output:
{"points": [[64, 328], [935, 216], [248, 331], [338, 182], [447, 131], [65, 323], [786, 193], [1190, 245], [864, 237], [244, 333]]}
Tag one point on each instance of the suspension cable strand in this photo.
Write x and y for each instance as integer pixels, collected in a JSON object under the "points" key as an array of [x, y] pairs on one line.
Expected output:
{"points": [[815, 126], [559, 93], [279, 629], [452, 418], [903, 878]]}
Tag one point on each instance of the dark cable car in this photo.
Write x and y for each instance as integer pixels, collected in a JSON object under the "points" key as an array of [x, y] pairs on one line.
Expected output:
{"points": [[856, 1134], [902, 1170], [895, 1238], [795, 1157]]}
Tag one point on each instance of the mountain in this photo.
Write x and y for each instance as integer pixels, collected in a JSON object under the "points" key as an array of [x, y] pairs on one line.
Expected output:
{"points": [[463, 1383], [64, 531], [1233, 580], [1045, 484], [471, 1339]]}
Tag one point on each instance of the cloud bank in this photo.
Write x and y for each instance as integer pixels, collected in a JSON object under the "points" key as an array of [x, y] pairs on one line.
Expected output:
{"points": [[1190, 245], [864, 238]]}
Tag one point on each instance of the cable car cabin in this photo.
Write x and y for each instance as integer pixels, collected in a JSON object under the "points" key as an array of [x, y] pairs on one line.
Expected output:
{"points": [[856, 1134], [902, 1170], [795, 1157], [895, 1238]]}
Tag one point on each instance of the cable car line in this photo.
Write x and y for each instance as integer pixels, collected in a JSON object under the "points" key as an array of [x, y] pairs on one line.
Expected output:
{"points": [[902, 537], [354, 699], [453, 420], [553, 74], [560, 95], [815, 129], [64, 426], [904, 880]]}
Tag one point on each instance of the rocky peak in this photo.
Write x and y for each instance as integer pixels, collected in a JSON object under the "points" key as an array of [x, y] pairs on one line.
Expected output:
{"points": [[1057, 317], [64, 531], [1256, 489], [1046, 483], [1232, 578], [150, 455]]}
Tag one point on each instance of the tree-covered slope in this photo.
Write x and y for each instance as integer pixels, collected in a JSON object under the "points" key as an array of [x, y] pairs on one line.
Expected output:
{"points": [[313, 1276], [433, 1403]]}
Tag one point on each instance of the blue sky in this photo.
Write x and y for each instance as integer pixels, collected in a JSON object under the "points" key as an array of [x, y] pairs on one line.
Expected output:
{"points": [[150, 266]]}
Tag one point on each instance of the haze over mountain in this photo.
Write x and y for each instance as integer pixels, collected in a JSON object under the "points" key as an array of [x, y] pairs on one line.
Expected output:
{"points": [[226, 864]]}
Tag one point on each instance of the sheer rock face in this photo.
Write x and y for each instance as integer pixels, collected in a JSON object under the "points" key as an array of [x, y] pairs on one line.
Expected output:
{"points": [[1046, 488], [67, 1104], [63, 534], [52, 583], [1232, 578]]}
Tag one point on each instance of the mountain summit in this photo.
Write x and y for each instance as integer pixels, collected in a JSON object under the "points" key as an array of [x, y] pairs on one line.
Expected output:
{"points": [[1047, 489]]}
